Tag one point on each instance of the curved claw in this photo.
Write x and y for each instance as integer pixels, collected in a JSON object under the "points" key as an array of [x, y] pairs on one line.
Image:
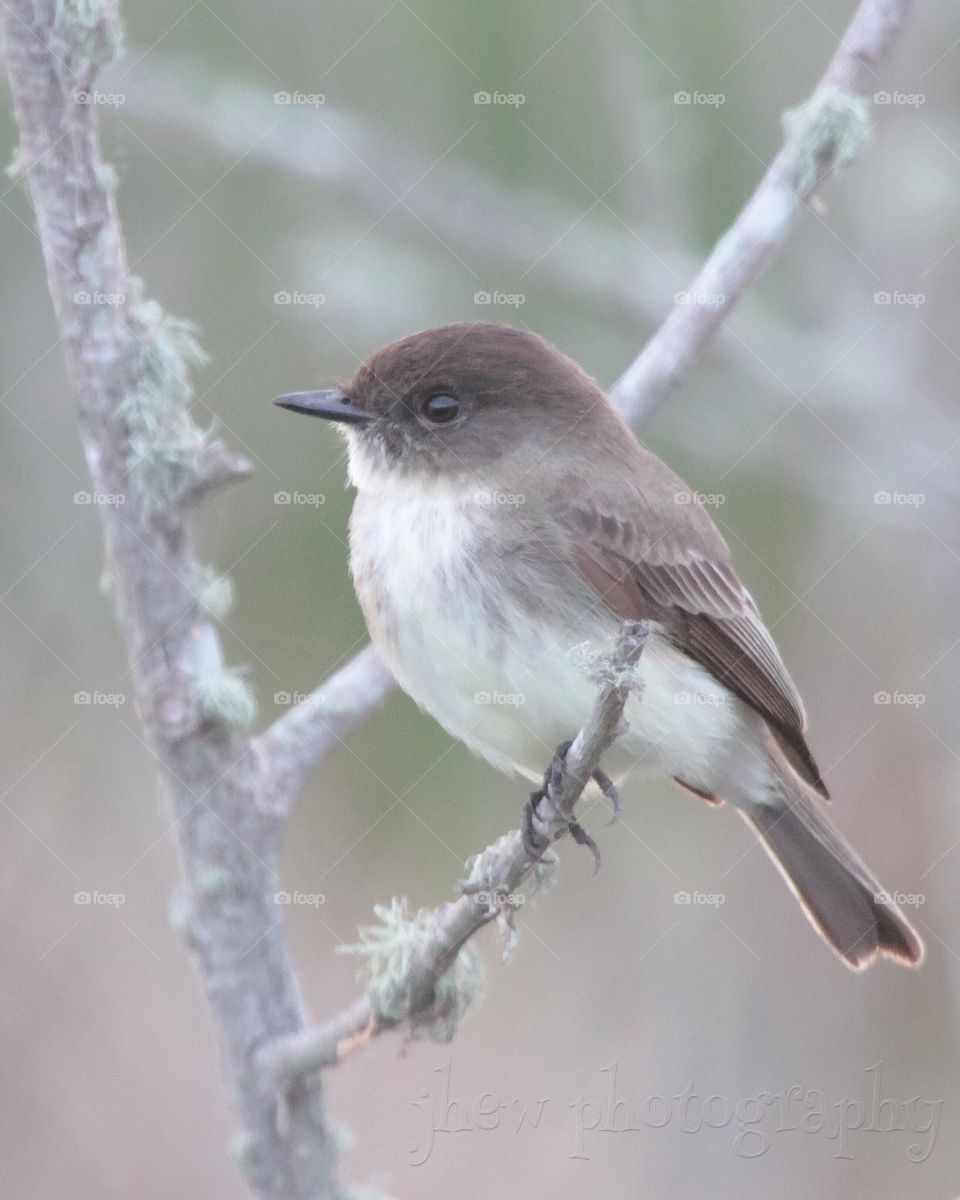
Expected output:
{"points": [[609, 789], [582, 838], [533, 843]]}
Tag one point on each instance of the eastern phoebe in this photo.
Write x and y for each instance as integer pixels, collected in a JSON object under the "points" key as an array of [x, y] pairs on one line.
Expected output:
{"points": [[506, 523]]}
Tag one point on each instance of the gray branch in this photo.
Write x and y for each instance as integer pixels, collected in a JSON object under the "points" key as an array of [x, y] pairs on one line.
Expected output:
{"points": [[822, 136], [296, 742], [128, 365]]}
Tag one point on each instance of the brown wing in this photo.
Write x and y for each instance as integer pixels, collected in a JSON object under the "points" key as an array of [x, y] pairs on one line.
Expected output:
{"points": [[670, 564]]}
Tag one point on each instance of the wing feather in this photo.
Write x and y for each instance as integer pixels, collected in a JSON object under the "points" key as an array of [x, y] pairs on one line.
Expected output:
{"points": [[683, 579]]}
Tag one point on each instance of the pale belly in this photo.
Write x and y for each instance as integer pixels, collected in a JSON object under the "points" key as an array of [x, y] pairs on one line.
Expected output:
{"points": [[509, 685]]}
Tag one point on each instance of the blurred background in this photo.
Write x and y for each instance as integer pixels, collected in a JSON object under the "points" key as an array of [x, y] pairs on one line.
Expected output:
{"points": [[305, 184]]}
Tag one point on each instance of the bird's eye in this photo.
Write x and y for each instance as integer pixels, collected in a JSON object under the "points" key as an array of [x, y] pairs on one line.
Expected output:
{"points": [[440, 409]]}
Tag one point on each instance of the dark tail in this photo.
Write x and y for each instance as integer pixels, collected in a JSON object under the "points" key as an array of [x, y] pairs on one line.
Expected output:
{"points": [[839, 894]]}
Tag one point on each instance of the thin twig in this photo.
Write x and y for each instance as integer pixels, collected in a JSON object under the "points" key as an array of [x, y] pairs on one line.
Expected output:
{"points": [[296, 742], [823, 135]]}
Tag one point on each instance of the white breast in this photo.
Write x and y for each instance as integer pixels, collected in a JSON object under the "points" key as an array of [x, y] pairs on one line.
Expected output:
{"points": [[494, 674]]}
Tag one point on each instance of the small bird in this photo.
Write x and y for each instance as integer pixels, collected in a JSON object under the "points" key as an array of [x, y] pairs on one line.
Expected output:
{"points": [[507, 522]]}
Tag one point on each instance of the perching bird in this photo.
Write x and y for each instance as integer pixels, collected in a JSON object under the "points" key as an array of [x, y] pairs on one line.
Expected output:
{"points": [[506, 523]]}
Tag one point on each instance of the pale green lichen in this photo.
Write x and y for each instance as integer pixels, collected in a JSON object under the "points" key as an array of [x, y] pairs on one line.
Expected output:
{"points": [[828, 132], [180, 913], [226, 696], [242, 1148], [215, 594], [164, 443], [390, 949], [484, 867], [601, 660], [91, 27], [214, 881]]}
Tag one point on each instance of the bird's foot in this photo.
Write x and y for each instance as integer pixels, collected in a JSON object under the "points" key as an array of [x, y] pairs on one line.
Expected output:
{"points": [[534, 842]]}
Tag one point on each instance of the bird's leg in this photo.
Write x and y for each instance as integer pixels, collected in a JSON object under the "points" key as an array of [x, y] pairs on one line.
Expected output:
{"points": [[552, 781], [554, 775], [534, 844]]}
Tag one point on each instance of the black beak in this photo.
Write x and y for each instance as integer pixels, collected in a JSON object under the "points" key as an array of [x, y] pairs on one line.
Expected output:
{"points": [[332, 405]]}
